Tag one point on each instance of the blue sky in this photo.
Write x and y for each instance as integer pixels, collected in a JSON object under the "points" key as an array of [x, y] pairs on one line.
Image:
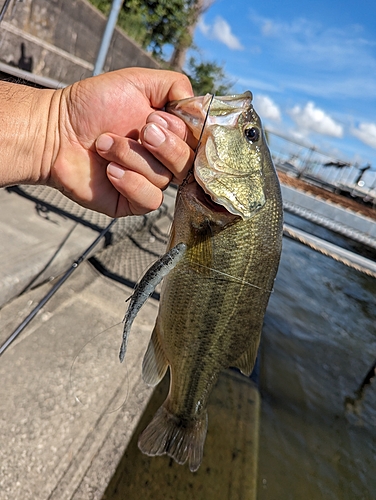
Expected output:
{"points": [[310, 65]]}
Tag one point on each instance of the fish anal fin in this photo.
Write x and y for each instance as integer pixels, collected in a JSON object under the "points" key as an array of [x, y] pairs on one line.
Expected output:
{"points": [[155, 364], [247, 360], [181, 440]]}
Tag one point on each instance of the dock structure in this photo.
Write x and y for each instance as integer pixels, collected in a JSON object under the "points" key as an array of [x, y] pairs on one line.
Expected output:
{"points": [[342, 220]]}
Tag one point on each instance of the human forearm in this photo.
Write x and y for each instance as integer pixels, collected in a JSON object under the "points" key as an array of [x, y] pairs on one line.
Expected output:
{"points": [[25, 152]]}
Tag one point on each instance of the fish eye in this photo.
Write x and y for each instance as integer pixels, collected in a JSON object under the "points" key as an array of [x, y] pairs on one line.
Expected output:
{"points": [[252, 134]]}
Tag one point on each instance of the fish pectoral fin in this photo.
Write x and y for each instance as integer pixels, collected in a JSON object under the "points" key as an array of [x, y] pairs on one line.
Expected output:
{"points": [[200, 253], [155, 364], [247, 360], [181, 440]]}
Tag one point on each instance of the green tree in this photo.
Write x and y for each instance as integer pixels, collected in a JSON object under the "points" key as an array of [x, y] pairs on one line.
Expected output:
{"points": [[155, 23], [207, 78]]}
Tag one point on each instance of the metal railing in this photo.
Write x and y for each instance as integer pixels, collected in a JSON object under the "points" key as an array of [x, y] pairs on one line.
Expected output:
{"points": [[320, 168]]}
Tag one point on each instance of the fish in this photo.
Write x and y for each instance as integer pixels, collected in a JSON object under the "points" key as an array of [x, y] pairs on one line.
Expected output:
{"points": [[218, 273]]}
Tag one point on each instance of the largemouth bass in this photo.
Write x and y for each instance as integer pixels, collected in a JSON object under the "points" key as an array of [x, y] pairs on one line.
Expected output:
{"points": [[219, 271]]}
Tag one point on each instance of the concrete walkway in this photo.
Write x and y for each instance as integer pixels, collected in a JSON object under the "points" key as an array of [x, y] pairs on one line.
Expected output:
{"points": [[61, 381], [230, 464], [51, 442]]}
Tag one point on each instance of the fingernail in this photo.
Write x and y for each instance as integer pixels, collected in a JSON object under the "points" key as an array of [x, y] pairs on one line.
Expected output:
{"points": [[115, 170], [154, 118], [153, 135], [104, 142]]}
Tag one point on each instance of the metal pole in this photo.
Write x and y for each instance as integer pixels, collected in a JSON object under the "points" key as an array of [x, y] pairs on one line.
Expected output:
{"points": [[4, 9], [107, 36]]}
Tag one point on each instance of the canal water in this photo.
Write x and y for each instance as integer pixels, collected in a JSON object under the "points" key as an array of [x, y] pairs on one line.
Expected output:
{"points": [[319, 342]]}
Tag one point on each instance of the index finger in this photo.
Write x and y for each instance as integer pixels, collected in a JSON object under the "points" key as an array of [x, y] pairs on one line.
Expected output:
{"points": [[160, 86], [171, 86]]}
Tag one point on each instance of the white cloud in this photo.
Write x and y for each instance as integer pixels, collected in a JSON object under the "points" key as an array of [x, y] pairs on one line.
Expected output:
{"points": [[313, 42], [316, 120], [203, 27], [319, 58], [366, 132], [266, 108], [298, 28], [221, 31]]}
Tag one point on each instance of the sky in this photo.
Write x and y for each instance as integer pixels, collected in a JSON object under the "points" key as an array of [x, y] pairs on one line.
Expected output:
{"points": [[311, 67]]}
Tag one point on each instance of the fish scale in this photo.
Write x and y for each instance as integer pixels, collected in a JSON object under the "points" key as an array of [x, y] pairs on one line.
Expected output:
{"points": [[228, 227]]}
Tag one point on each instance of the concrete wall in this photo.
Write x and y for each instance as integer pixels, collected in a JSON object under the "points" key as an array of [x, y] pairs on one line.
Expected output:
{"points": [[59, 39]]}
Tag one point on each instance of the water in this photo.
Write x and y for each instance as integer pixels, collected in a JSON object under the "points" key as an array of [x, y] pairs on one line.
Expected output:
{"points": [[319, 341]]}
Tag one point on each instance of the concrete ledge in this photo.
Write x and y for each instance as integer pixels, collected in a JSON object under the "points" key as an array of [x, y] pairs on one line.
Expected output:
{"points": [[334, 212], [31, 78], [45, 233]]}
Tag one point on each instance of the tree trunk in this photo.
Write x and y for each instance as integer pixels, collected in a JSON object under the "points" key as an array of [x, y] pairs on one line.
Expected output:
{"points": [[179, 54]]}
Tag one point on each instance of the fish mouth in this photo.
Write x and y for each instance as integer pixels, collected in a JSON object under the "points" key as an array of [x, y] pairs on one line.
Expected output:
{"points": [[207, 200], [223, 110], [213, 212]]}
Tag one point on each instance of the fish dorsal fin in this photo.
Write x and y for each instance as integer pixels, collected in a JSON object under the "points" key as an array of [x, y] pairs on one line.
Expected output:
{"points": [[247, 360], [155, 364]]}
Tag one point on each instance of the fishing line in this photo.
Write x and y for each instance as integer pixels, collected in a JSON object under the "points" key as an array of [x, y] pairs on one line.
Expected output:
{"points": [[54, 289], [233, 277], [190, 172]]}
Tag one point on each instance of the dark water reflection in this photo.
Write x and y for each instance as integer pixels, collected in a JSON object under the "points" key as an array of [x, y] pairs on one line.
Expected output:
{"points": [[319, 342]]}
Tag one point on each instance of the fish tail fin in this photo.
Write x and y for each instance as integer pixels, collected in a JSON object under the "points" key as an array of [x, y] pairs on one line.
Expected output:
{"points": [[181, 440]]}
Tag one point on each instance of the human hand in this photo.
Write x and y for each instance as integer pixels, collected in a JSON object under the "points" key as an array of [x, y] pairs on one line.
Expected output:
{"points": [[112, 118]]}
